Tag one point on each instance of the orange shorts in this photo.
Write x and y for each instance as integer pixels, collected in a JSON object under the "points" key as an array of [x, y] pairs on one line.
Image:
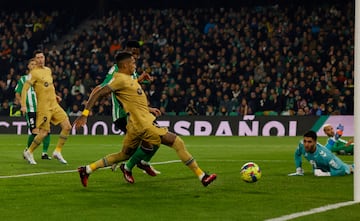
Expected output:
{"points": [[151, 135], [54, 116]]}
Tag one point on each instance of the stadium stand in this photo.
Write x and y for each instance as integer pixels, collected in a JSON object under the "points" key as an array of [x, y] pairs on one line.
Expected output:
{"points": [[267, 60]]}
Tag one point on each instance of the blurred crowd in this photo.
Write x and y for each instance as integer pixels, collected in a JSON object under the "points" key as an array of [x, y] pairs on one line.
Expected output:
{"points": [[270, 60]]}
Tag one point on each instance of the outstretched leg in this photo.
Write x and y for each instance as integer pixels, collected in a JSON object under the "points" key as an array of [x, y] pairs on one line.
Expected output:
{"points": [[85, 171], [178, 144]]}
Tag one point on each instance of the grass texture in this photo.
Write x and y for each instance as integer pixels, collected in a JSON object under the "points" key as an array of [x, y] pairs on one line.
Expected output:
{"points": [[52, 191]]}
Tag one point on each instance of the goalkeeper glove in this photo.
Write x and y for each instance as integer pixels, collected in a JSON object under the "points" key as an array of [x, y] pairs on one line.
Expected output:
{"points": [[319, 172], [299, 172], [339, 131]]}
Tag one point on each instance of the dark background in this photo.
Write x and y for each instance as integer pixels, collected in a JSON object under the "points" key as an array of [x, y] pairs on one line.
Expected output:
{"points": [[97, 8], [85, 6]]}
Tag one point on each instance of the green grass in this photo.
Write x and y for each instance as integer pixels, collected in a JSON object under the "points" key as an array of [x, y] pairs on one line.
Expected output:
{"points": [[175, 194]]}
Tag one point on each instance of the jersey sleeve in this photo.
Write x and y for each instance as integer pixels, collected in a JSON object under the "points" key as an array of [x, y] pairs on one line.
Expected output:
{"points": [[27, 84], [26, 87], [115, 83], [298, 156], [32, 78], [19, 86], [109, 75], [106, 80]]}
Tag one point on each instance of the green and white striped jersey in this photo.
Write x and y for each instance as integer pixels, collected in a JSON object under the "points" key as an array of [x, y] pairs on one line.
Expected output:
{"points": [[31, 101]]}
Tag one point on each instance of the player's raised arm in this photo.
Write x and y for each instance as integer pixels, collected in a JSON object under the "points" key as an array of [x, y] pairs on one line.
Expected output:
{"points": [[145, 77], [81, 120]]}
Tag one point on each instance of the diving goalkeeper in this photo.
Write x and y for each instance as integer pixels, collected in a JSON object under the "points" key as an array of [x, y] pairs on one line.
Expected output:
{"points": [[323, 161]]}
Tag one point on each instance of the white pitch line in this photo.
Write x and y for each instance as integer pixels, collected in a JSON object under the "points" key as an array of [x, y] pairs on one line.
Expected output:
{"points": [[72, 171], [37, 174], [312, 211], [166, 162], [153, 163]]}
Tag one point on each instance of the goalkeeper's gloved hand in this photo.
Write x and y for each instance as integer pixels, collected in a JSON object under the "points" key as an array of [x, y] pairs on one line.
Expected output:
{"points": [[319, 172], [299, 172], [339, 131]]}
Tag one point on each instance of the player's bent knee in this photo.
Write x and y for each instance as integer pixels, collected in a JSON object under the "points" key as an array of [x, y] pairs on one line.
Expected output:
{"points": [[42, 134], [67, 127], [147, 147], [169, 138], [178, 144], [35, 131]]}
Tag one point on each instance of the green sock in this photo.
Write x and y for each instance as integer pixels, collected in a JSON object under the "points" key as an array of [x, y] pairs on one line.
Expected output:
{"points": [[135, 158], [46, 143], [139, 155], [30, 139], [150, 154]]}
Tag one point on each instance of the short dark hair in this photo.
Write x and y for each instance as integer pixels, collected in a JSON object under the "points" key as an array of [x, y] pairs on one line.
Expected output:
{"points": [[122, 55], [132, 44], [311, 134], [38, 51]]}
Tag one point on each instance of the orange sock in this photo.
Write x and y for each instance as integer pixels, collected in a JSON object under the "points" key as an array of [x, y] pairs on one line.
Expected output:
{"points": [[199, 172], [186, 157], [58, 149]]}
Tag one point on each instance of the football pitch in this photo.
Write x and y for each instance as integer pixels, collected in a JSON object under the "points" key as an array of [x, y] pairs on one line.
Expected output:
{"points": [[52, 191]]}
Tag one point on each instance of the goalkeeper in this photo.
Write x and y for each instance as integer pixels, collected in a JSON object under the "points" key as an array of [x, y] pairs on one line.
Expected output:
{"points": [[335, 143], [323, 161]]}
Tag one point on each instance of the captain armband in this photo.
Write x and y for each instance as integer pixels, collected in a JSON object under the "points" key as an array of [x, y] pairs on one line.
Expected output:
{"points": [[85, 112]]}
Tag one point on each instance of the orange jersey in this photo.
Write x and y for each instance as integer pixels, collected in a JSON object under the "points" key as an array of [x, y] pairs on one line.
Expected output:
{"points": [[133, 98], [42, 82]]}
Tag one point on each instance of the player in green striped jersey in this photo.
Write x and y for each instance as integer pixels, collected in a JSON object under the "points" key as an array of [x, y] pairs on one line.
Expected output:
{"points": [[142, 155], [31, 103], [335, 143]]}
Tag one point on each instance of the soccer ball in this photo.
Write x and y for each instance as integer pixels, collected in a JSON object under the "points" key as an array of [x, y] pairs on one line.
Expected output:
{"points": [[250, 172]]}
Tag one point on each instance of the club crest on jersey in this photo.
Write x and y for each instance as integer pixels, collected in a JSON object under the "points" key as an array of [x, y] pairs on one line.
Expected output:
{"points": [[46, 84], [139, 91]]}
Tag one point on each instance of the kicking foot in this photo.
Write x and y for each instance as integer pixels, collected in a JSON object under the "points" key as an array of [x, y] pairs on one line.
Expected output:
{"points": [[84, 176], [207, 179], [127, 174]]}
